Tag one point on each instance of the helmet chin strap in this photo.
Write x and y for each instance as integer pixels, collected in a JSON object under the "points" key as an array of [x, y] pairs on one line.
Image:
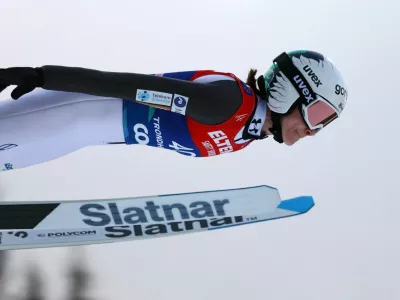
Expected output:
{"points": [[276, 128]]}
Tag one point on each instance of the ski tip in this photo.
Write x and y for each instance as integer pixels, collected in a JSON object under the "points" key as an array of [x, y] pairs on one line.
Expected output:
{"points": [[299, 204]]}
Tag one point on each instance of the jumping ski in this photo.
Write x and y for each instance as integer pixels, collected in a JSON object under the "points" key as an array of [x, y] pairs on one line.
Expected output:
{"points": [[70, 223]]}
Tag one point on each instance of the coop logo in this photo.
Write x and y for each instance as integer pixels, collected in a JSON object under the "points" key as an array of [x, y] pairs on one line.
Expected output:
{"points": [[312, 75], [154, 219], [303, 87]]}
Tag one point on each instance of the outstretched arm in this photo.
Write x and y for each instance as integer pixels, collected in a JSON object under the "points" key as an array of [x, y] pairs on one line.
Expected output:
{"points": [[209, 103]]}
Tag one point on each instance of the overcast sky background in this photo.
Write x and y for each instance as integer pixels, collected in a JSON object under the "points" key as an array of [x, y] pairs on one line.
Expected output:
{"points": [[347, 247]]}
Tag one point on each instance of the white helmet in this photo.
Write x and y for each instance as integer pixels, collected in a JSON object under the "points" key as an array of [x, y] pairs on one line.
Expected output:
{"points": [[307, 78]]}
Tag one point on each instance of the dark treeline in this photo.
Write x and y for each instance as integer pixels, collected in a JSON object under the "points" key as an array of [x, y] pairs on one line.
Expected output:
{"points": [[77, 276]]}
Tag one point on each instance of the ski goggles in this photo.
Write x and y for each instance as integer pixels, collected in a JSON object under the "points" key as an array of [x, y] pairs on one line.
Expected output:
{"points": [[317, 112]]}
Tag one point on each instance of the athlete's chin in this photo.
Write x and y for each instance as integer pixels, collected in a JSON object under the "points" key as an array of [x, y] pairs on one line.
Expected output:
{"points": [[290, 140], [289, 143]]}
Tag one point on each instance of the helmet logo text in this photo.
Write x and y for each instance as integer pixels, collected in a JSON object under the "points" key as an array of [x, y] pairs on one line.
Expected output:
{"points": [[303, 87], [313, 76], [340, 91]]}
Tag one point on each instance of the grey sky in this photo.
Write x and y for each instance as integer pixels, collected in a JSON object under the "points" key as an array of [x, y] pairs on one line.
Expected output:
{"points": [[345, 248]]}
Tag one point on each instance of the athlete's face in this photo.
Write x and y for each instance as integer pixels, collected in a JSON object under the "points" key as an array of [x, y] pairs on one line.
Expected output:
{"points": [[294, 128]]}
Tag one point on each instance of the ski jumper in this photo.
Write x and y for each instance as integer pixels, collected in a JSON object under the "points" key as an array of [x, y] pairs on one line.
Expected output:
{"points": [[197, 113]]}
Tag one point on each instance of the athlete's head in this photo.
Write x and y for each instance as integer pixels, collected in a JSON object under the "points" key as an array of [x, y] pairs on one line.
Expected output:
{"points": [[305, 92]]}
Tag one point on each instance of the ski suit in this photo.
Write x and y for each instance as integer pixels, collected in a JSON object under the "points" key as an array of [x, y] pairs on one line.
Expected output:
{"points": [[195, 113]]}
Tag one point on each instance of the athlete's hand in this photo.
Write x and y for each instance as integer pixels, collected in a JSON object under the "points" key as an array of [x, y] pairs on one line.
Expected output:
{"points": [[26, 79]]}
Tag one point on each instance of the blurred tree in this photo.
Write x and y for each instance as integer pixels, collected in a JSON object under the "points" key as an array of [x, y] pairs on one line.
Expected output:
{"points": [[3, 258], [34, 290], [79, 276]]}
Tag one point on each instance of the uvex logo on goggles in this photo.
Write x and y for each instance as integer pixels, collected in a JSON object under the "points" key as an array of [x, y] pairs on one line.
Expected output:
{"points": [[303, 87]]}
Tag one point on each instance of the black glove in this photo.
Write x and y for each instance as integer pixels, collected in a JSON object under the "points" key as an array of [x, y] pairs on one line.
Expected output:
{"points": [[26, 79]]}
